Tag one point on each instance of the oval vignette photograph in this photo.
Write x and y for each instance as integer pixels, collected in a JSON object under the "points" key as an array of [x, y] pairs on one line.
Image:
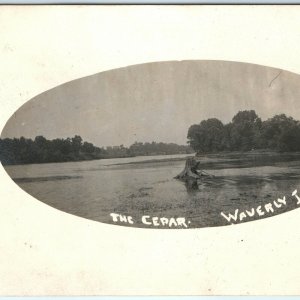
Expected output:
{"points": [[162, 145]]}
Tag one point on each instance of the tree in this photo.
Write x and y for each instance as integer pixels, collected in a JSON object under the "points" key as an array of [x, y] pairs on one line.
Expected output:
{"points": [[88, 147], [194, 137], [207, 136], [40, 150], [281, 133], [76, 143], [245, 130]]}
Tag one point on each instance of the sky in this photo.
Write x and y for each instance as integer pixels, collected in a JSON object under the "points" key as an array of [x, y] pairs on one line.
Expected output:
{"points": [[155, 101]]}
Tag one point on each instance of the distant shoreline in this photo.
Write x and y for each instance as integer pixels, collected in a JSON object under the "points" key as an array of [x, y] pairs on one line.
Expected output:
{"points": [[21, 151], [106, 158], [246, 156]]}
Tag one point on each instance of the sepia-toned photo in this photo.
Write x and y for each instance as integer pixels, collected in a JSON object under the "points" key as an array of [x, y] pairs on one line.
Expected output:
{"points": [[166, 145], [149, 150]]}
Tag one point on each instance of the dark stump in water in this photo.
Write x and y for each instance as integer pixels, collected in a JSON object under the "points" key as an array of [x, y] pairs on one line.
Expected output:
{"points": [[192, 174], [189, 171]]}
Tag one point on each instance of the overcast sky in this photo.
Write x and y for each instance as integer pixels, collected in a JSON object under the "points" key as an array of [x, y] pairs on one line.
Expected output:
{"points": [[155, 101]]}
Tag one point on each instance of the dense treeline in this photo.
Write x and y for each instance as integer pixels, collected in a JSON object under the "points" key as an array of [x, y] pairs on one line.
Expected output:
{"points": [[246, 132], [40, 150]]}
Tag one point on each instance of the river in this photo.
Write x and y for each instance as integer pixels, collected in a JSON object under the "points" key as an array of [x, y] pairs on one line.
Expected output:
{"points": [[145, 186]]}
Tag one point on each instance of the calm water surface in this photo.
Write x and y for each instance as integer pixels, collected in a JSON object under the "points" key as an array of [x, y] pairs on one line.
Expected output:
{"points": [[146, 186]]}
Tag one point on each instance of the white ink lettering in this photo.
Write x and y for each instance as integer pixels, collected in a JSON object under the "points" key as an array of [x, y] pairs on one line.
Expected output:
{"points": [[277, 204], [181, 222], [230, 216], [155, 221], [251, 213], [172, 222], [164, 221], [296, 195], [269, 208], [283, 201], [242, 216], [144, 220], [114, 217], [259, 211]]}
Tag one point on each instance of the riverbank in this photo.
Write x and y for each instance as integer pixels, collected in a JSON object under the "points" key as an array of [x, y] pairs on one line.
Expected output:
{"points": [[225, 160]]}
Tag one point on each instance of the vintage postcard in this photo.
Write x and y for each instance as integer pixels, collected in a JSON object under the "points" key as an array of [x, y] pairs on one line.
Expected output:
{"points": [[150, 150]]}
